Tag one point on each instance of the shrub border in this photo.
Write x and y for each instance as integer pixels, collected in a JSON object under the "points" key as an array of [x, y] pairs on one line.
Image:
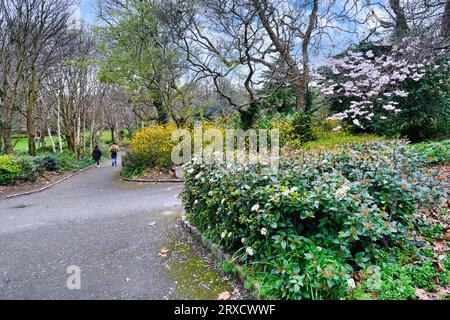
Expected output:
{"points": [[154, 180], [50, 185], [220, 255]]}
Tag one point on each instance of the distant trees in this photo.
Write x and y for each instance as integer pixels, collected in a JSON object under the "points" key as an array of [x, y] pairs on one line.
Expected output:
{"points": [[33, 36]]}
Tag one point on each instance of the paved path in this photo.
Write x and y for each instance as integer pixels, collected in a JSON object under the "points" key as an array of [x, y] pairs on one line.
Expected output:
{"points": [[94, 221]]}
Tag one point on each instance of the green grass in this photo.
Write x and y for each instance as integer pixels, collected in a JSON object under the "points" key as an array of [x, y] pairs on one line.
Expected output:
{"points": [[21, 146], [329, 140]]}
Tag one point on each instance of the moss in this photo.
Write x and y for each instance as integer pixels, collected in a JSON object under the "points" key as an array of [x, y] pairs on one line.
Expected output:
{"points": [[196, 280]]}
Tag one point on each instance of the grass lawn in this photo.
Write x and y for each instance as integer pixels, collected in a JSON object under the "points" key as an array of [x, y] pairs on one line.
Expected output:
{"points": [[22, 145], [329, 140]]}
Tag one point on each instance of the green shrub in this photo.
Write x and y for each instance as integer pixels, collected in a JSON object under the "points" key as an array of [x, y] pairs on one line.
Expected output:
{"points": [[434, 152], [320, 219], [30, 168], [50, 162], [399, 277], [68, 162], [9, 169]]}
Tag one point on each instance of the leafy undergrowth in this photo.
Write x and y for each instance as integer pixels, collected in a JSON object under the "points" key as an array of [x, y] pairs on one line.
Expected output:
{"points": [[25, 168], [333, 225], [330, 140], [435, 152]]}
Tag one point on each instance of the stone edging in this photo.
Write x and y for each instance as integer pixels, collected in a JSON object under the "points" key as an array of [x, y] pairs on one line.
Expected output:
{"points": [[217, 253], [50, 185], [154, 180]]}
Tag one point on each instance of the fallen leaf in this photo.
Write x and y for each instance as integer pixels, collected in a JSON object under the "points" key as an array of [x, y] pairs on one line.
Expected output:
{"points": [[163, 252], [447, 235], [440, 246], [422, 294], [152, 223], [351, 283], [224, 296], [444, 290], [437, 266]]}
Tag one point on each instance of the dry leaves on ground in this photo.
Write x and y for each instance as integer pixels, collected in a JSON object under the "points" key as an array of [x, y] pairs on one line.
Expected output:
{"points": [[224, 296], [163, 252]]}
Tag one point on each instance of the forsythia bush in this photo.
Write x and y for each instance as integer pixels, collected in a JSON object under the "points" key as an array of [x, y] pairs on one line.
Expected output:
{"points": [[322, 218], [9, 169], [151, 147]]}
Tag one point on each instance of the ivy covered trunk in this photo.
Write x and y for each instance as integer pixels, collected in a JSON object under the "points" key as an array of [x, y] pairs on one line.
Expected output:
{"points": [[248, 116], [161, 112]]}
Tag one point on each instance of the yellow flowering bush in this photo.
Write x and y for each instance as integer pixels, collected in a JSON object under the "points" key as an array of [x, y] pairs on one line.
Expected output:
{"points": [[152, 147]]}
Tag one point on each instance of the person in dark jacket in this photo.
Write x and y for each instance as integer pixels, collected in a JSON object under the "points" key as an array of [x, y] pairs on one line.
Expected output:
{"points": [[96, 155]]}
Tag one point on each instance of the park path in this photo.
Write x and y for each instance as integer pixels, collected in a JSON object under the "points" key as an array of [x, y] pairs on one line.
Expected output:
{"points": [[96, 222]]}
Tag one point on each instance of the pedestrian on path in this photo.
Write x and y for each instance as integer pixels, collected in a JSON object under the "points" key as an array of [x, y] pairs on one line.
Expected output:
{"points": [[114, 150], [96, 155]]}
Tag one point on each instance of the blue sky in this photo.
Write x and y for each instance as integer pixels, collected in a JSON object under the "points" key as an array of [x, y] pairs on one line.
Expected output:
{"points": [[87, 8]]}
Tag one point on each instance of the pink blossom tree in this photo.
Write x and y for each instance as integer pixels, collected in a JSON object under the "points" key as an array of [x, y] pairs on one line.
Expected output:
{"points": [[370, 83]]}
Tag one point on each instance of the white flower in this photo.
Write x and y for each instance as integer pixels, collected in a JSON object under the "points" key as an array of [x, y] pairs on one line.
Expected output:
{"points": [[230, 234], [341, 192], [249, 251], [356, 122], [198, 176], [255, 207], [196, 201], [223, 200], [223, 234], [210, 193], [243, 240], [263, 231]]}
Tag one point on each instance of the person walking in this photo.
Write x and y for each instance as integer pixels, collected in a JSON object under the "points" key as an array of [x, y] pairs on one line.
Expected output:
{"points": [[114, 150], [96, 155]]}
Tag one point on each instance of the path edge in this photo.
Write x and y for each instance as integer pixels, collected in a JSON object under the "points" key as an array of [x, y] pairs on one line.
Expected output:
{"points": [[49, 185], [218, 253], [153, 180]]}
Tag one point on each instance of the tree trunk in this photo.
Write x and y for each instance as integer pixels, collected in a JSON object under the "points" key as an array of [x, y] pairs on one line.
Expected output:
{"points": [[305, 46], [92, 130], [296, 75], [83, 135], [113, 134], [7, 139], [162, 115], [1, 136], [50, 137], [30, 108], [401, 24], [58, 128], [445, 26]]}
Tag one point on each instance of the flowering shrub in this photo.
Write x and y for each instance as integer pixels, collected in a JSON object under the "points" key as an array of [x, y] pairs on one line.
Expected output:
{"points": [[374, 83], [151, 147], [9, 169], [320, 219]]}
